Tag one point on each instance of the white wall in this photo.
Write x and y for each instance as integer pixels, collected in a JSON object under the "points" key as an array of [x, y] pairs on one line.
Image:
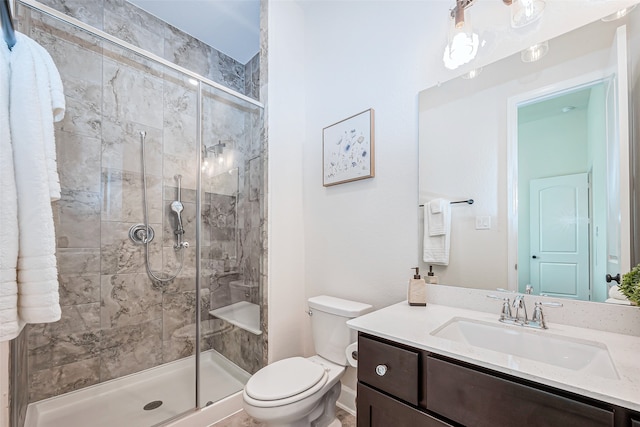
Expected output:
{"points": [[286, 129]]}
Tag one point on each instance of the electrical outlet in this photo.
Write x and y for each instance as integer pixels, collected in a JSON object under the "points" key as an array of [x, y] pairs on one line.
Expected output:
{"points": [[483, 223]]}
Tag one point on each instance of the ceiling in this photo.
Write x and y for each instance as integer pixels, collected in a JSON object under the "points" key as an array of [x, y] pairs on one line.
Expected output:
{"points": [[230, 26]]}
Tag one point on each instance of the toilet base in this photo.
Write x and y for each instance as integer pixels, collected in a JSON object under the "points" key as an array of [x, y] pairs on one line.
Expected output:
{"points": [[323, 415]]}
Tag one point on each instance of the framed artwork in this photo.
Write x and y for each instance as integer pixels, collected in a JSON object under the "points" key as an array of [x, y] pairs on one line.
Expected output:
{"points": [[348, 150]]}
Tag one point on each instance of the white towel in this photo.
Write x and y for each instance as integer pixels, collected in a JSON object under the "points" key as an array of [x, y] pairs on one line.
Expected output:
{"points": [[10, 325], [435, 206], [32, 138], [50, 86], [436, 248], [614, 292], [436, 217]]}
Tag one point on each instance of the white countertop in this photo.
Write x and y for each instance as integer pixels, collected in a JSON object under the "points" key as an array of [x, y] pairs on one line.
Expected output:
{"points": [[413, 326]]}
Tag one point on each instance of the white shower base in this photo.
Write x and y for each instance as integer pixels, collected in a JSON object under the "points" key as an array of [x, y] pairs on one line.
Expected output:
{"points": [[120, 402]]}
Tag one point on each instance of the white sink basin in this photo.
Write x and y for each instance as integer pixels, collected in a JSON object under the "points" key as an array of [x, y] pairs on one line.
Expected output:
{"points": [[571, 353]]}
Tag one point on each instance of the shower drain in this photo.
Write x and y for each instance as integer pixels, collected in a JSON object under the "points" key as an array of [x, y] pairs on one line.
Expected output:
{"points": [[152, 405]]}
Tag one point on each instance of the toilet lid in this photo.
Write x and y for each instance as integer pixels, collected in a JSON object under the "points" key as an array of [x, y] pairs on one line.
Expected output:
{"points": [[284, 378]]}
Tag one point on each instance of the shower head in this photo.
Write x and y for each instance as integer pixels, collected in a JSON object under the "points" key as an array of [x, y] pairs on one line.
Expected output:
{"points": [[178, 207]]}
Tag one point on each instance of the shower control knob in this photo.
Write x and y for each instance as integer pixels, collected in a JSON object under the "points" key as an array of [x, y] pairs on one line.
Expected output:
{"points": [[381, 370], [185, 245]]}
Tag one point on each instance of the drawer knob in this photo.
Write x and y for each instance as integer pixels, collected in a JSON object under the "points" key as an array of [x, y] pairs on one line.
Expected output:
{"points": [[381, 370]]}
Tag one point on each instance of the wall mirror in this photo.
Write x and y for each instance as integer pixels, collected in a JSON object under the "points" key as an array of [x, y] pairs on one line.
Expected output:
{"points": [[543, 150]]}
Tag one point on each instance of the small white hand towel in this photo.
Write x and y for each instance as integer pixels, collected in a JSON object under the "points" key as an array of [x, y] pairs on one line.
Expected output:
{"points": [[10, 324], [436, 217], [32, 134], [614, 292], [435, 206], [436, 248]]}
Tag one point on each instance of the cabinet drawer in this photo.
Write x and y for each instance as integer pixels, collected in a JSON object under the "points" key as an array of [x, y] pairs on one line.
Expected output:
{"points": [[477, 399], [379, 410], [401, 366]]}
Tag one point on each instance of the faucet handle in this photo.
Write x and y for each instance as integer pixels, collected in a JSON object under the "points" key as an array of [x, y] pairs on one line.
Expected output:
{"points": [[505, 313], [537, 320]]}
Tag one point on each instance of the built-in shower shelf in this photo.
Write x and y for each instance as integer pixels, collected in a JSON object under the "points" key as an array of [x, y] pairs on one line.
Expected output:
{"points": [[242, 314]]}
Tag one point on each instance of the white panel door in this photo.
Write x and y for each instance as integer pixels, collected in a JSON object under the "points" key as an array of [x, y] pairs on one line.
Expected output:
{"points": [[560, 236]]}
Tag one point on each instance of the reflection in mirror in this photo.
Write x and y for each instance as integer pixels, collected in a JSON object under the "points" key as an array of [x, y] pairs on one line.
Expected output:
{"points": [[561, 145], [542, 149]]}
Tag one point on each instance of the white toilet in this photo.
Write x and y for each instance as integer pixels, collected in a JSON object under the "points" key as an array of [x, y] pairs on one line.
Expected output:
{"points": [[299, 392]]}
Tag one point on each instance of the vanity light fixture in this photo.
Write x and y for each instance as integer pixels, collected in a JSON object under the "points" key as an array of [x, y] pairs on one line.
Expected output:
{"points": [[619, 14], [463, 42], [535, 52]]}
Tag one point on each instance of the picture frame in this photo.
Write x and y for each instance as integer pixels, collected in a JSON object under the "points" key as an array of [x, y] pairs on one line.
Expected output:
{"points": [[348, 149]]}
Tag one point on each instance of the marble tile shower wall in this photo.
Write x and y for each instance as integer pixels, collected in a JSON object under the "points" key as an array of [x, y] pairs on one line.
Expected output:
{"points": [[115, 320]]}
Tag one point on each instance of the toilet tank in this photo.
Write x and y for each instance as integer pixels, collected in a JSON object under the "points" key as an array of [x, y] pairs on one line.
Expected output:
{"points": [[331, 335]]}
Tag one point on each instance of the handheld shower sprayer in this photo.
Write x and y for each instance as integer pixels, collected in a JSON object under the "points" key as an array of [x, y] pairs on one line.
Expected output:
{"points": [[142, 234], [177, 207]]}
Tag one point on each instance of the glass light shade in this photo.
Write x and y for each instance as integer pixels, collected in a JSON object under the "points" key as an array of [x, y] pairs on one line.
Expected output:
{"points": [[462, 46], [535, 52], [524, 12]]}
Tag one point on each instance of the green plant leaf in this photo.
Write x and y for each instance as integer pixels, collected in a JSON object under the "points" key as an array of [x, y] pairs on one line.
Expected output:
{"points": [[630, 286]]}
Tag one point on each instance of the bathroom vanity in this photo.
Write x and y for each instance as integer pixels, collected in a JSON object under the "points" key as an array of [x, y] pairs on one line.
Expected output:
{"points": [[414, 371]]}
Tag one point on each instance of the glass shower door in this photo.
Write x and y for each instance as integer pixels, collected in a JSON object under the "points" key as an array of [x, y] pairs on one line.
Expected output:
{"points": [[232, 204]]}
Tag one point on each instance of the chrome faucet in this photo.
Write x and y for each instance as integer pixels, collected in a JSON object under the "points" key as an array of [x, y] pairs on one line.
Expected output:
{"points": [[537, 320]]}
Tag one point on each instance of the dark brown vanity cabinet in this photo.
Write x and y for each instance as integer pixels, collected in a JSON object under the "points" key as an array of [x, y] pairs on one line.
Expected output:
{"points": [[400, 386]]}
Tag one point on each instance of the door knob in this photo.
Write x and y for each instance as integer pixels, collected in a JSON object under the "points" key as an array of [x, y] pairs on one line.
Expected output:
{"points": [[535, 257], [615, 278]]}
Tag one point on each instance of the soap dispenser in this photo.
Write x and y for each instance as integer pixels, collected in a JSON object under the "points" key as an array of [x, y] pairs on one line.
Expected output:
{"points": [[417, 294], [432, 279]]}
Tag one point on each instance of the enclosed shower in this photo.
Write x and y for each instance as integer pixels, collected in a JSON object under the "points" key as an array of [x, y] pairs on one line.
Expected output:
{"points": [[160, 227]]}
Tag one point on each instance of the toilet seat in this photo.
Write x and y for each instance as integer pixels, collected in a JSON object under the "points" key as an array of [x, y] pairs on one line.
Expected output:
{"points": [[284, 382]]}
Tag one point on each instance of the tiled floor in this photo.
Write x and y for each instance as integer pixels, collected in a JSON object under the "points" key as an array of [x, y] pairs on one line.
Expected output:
{"points": [[241, 419]]}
